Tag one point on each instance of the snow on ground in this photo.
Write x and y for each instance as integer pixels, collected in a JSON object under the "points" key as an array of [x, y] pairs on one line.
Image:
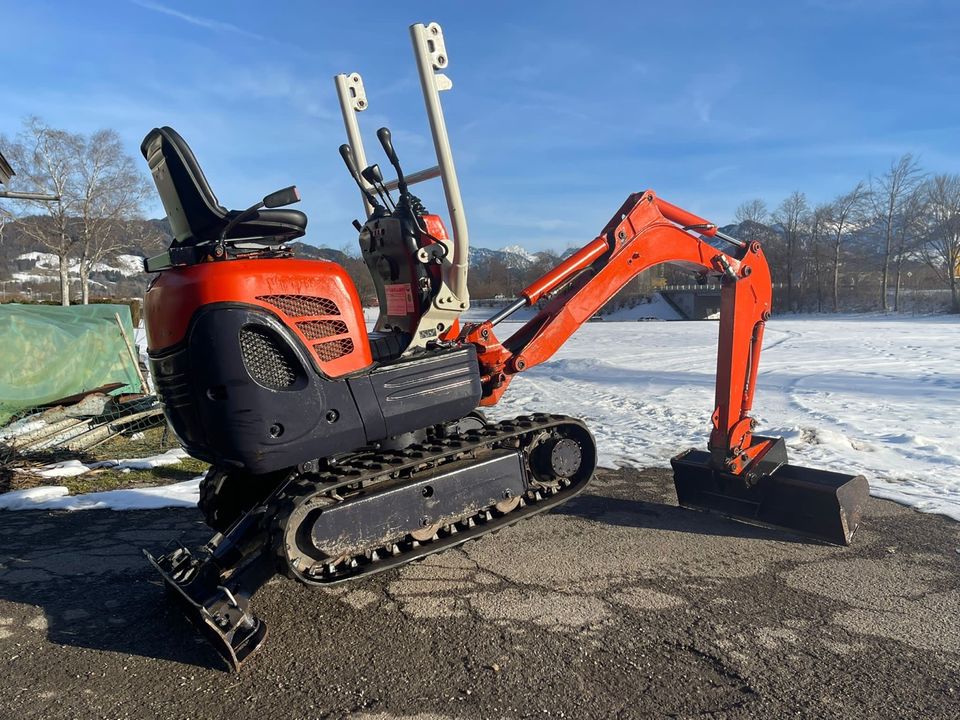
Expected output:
{"points": [[859, 394], [182, 494], [72, 468]]}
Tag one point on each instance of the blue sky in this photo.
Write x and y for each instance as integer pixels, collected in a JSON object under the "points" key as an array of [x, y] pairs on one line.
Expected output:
{"points": [[558, 111]]}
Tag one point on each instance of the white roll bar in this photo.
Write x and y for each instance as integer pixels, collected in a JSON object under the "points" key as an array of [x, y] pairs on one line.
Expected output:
{"points": [[431, 56]]}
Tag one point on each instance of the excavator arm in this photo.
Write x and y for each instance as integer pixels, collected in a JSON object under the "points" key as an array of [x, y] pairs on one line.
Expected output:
{"points": [[742, 475]]}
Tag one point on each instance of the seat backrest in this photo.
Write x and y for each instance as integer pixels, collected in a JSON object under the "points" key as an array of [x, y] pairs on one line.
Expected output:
{"points": [[193, 210]]}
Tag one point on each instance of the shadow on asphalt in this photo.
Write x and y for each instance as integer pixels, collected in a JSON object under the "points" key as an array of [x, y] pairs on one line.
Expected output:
{"points": [[625, 512], [86, 573]]}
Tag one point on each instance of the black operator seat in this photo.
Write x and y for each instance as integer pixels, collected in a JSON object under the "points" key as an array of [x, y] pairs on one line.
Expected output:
{"points": [[194, 213]]}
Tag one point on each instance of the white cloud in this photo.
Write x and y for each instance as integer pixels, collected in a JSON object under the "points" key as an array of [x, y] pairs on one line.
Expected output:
{"points": [[209, 23]]}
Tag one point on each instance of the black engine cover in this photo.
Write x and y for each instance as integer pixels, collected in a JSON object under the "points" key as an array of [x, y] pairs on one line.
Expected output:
{"points": [[242, 392]]}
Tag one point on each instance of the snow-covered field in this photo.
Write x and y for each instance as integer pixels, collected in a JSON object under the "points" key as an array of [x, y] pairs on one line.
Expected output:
{"points": [[860, 394]]}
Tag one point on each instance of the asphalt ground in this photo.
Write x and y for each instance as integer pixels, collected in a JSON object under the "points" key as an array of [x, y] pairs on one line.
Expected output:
{"points": [[616, 605]]}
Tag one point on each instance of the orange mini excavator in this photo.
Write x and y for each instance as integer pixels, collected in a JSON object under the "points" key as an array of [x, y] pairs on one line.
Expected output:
{"points": [[337, 452]]}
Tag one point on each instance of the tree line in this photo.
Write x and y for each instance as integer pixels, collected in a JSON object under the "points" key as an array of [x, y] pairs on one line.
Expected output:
{"points": [[858, 251]]}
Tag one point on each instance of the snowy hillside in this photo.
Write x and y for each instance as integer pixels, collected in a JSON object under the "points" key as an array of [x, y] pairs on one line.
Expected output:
{"points": [[43, 268], [519, 251], [47, 264], [515, 257]]}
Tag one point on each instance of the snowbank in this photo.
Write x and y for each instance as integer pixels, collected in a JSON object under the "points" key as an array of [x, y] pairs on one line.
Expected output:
{"points": [[656, 309], [182, 494]]}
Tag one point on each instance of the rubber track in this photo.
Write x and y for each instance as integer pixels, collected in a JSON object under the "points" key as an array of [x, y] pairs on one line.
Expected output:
{"points": [[375, 470]]}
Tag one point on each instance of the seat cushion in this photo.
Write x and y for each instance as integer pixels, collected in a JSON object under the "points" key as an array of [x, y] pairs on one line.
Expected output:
{"points": [[276, 225]]}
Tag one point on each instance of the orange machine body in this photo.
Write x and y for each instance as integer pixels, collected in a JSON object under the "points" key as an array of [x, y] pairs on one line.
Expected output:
{"points": [[315, 299]]}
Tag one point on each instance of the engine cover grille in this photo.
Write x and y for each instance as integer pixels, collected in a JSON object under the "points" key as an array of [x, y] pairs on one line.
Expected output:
{"points": [[316, 329], [301, 305], [332, 349], [266, 360]]}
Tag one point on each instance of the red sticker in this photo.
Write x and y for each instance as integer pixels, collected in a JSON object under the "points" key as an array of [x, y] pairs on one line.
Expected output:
{"points": [[399, 299]]}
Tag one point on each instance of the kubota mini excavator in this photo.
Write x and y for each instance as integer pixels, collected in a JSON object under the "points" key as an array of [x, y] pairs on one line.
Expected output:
{"points": [[336, 452]]}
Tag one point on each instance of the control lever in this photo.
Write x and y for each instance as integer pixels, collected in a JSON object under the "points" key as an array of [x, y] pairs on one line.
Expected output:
{"points": [[408, 200], [373, 176], [386, 140], [346, 152]]}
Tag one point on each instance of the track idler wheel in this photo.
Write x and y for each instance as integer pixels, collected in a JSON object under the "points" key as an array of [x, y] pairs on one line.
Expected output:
{"points": [[559, 456]]}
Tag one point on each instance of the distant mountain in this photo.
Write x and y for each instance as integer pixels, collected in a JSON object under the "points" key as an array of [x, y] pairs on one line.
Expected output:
{"points": [[514, 257], [30, 269]]}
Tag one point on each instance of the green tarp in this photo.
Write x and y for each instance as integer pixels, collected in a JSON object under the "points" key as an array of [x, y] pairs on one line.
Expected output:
{"points": [[48, 353]]}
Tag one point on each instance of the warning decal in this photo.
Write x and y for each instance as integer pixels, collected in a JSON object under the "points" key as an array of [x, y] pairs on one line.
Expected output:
{"points": [[399, 299]]}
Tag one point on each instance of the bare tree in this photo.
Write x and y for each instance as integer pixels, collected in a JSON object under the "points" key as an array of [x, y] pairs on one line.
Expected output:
{"points": [[889, 192], [908, 236], [99, 189], [846, 211], [46, 160], [819, 235], [942, 249], [791, 216], [754, 211], [112, 192], [5, 217]]}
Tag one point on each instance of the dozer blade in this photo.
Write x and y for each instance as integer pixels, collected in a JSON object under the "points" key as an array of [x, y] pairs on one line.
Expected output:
{"points": [[222, 618], [818, 504]]}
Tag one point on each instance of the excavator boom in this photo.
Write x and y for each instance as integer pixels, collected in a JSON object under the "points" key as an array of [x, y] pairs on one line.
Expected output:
{"points": [[743, 475]]}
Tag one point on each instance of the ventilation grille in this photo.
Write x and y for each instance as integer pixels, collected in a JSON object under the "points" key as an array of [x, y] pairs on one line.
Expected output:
{"points": [[301, 305], [265, 360], [316, 329], [333, 349]]}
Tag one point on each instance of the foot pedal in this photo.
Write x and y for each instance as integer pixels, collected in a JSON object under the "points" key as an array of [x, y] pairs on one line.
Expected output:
{"points": [[818, 504]]}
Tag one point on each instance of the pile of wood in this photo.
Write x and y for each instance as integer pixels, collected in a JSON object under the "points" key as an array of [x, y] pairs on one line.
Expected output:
{"points": [[82, 422]]}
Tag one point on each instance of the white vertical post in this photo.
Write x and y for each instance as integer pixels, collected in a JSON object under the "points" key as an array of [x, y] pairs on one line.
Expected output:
{"points": [[353, 100], [431, 55]]}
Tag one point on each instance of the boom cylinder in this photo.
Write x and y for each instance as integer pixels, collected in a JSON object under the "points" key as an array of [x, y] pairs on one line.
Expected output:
{"points": [[580, 260], [686, 219]]}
